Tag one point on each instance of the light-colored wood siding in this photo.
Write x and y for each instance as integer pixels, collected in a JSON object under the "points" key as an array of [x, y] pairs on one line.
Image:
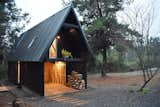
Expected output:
{"points": [[55, 72]]}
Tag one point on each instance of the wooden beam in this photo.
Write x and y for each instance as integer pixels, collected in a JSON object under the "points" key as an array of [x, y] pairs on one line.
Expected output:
{"points": [[69, 25], [66, 59], [19, 71]]}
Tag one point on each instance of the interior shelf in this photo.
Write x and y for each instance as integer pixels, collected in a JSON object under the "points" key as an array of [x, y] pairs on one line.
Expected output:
{"points": [[66, 59]]}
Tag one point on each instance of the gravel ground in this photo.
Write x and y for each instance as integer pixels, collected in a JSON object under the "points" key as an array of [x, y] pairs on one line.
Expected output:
{"points": [[6, 99], [96, 96], [108, 96]]}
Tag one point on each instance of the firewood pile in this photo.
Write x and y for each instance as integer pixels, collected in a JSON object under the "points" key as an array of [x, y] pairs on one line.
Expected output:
{"points": [[76, 81]]}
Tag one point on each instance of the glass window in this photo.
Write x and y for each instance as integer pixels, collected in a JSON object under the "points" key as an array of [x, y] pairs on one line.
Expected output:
{"points": [[53, 49]]}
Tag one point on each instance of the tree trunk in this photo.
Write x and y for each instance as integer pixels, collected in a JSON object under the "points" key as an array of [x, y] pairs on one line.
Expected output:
{"points": [[99, 9], [103, 71], [148, 80]]}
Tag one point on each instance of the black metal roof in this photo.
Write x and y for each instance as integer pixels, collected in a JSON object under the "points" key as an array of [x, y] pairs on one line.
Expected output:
{"points": [[33, 44]]}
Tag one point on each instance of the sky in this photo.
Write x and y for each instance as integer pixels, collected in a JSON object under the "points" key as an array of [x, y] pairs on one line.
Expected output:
{"points": [[144, 9], [39, 10]]}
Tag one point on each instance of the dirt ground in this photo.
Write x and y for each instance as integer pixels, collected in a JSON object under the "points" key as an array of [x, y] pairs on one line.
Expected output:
{"points": [[6, 99], [114, 81], [118, 79], [101, 92]]}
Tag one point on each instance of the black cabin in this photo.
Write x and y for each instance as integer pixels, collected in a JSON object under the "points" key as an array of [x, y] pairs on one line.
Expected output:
{"points": [[49, 53]]}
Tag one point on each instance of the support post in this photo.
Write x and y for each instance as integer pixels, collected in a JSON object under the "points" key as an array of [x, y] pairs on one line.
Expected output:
{"points": [[19, 75]]}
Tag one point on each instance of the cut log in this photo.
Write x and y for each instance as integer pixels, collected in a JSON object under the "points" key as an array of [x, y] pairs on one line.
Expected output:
{"points": [[75, 80]]}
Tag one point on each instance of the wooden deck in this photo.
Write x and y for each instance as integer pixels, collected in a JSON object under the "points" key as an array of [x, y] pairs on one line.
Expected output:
{"points": [[55, 89]]}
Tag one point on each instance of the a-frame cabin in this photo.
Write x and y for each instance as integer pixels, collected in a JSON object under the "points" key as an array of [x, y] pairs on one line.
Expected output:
{"points": [[48, 52]]}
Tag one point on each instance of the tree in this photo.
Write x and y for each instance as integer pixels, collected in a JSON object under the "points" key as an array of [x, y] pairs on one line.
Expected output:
{"points": [[141, 18], [100, 22], [154, 51], [12, 22]]}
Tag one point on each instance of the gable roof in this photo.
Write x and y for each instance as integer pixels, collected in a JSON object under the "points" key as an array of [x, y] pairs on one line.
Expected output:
{"points": [[34, 43]]}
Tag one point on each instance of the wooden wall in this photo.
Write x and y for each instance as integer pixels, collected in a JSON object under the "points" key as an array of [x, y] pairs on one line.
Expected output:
{"points": [[55, 72], [35, 75], [12, 72], [32, 76]]}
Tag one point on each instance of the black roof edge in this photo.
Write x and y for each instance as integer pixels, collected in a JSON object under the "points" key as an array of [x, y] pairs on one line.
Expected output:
{"points": [[83, 34], [44, 20]]}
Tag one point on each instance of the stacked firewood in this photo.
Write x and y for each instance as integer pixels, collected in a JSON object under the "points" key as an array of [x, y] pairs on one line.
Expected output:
{"points": [[75, 80]]}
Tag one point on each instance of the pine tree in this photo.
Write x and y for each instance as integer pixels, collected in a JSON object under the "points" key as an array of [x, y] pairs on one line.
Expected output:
{"points": [[100, 22], [102, 27], [12, 22]]}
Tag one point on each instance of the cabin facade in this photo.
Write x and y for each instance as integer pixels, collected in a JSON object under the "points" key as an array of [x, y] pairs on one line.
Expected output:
{"points": [[49, 52]]}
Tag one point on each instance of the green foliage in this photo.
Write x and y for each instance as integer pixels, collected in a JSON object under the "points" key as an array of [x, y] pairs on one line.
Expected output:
{"points": [[145, 91], [154, 49], [12, 22], [93, 9], [99, 18], [100, 21], [132, 90], [97, 24], [66, 53], [104, 32], [132, 64]]}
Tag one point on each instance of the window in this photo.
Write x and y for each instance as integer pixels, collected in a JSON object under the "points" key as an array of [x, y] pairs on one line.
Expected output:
{"points": [[53, 49], [32, 41]]}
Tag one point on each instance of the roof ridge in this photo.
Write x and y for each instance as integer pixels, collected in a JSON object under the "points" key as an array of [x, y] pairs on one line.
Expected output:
{"points": [[47, 18]]}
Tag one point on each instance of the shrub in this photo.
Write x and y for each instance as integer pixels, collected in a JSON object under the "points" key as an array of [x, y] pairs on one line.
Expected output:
{"points": [[145, 91]]}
